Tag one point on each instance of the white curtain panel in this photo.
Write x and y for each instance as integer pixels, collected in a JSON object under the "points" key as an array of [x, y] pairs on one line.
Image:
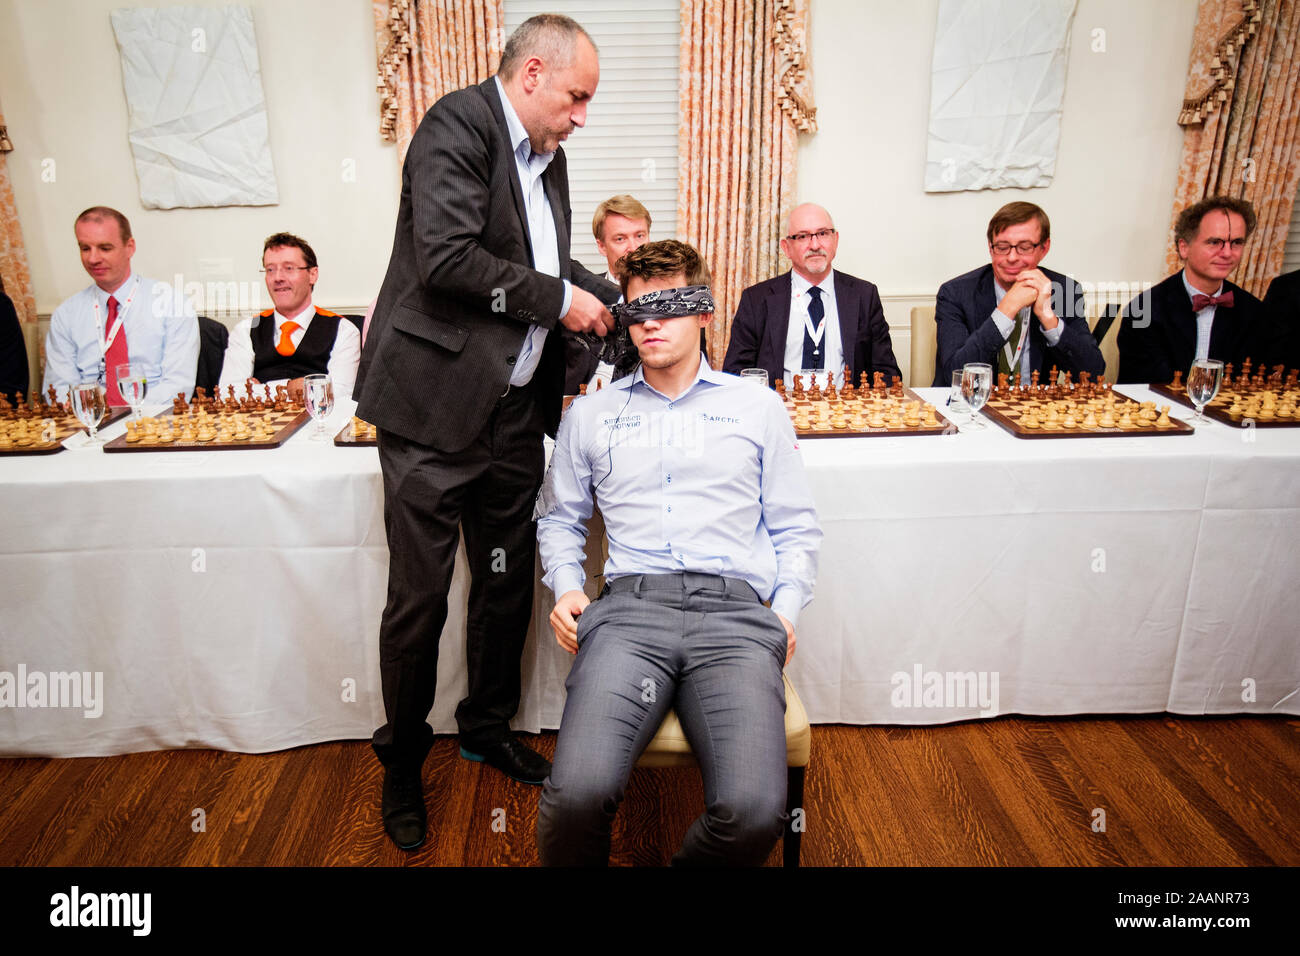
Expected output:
{"points": [[997, 83], [197, 114]]}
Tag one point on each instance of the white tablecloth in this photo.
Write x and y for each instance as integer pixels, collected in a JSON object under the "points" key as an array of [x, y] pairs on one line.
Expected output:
{"points": [[232, 599]]}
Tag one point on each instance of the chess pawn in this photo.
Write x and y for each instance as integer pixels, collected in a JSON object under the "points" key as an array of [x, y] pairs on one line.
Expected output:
{"points": [[1163, 421], [132, 432], [931, 419], [1090, 419], [1126, 420]]}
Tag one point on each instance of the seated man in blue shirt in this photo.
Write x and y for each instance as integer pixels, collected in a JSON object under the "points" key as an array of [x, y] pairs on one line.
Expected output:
{"points": [[708, 514], [120, 318]]}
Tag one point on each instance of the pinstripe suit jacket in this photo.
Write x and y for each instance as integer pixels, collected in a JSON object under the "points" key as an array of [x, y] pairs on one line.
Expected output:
{"points": [[461, 293]]}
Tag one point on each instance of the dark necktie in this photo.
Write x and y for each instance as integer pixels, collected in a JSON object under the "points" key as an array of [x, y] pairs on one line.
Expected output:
{"points": [[813, 356], [1202, 301], [1004, 366]]}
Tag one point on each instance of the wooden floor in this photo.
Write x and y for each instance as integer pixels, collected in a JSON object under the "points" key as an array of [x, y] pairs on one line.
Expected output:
{"points": [[1012, 791]]}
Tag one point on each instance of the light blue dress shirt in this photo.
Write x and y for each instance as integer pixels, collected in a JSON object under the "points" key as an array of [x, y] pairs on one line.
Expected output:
{"points": [[1007, 326], [162, 337], [541, 231], [711, 481]]}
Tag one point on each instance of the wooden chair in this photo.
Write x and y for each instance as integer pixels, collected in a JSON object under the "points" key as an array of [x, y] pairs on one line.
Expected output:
{"points": [[669, 748], [924, 347]]}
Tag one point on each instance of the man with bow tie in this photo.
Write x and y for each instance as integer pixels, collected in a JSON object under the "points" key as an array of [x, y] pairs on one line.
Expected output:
{"points": [[1196, 313]]}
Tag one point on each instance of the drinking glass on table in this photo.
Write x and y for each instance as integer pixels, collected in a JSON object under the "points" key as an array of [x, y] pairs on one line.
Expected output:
{"points": [[758, 376], [318, 394], [1203, 381], [976, 383], [955, 400], [89, 403], [133, 386]]}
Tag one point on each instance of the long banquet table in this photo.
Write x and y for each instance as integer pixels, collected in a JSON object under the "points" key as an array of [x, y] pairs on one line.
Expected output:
{"points": [[231, 599]]}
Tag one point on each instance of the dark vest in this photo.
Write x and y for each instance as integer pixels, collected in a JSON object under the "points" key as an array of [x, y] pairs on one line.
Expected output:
{"points": [[312, 356]]}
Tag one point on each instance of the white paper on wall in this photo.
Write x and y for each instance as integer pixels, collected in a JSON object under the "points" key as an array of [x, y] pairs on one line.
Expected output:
{"points": [[997, 83], [197, 114]]}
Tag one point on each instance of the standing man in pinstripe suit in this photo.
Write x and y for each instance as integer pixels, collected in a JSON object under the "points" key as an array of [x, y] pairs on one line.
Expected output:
{"points": [[462, 373]]}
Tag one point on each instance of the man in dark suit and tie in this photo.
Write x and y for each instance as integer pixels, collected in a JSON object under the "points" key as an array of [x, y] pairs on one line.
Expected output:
{"points": [[1282, 306], [462, 373], [812, 317], [1196, 313], [984, 315]]}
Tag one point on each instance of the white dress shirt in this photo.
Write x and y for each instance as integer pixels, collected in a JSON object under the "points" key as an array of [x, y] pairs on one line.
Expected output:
{"points": [[541, 231], [1007, 326], [710, 481], [1204, 319], [237, 366], [162, 337], [831, 346]]}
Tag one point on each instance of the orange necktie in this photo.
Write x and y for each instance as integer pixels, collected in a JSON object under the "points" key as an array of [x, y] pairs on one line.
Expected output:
{"points": [[285, 347]]}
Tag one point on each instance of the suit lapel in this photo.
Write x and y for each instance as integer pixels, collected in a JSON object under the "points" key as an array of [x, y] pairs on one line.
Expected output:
{"points": [[552, 184], [847, 307], [986, 297], [777, 325], [1182, 324], [489, 90]]}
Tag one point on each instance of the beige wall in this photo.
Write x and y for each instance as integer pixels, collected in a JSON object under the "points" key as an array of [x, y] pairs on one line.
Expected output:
{"points": [[60, 81], [61, 90]]}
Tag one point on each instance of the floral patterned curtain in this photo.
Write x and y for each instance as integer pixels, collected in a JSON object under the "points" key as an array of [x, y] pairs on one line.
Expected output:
{"points": [[1242, 128], [427, 48], [746, 94], [13, 255]]}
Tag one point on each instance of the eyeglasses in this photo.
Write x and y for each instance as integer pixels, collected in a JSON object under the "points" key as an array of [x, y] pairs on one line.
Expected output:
{"points": [[1216, 244], [286, 271], [821, 235], [1024, 248]]}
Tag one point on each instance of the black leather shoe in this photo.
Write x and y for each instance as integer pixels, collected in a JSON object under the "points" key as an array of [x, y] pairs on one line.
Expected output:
{"points": [[517, 761], [403, 807]]}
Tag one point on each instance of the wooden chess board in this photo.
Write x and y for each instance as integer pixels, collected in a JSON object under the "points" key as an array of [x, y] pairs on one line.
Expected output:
{"points": [[901, 413], [357, 434], [279, 426], [44, 434], [1273, 403], [1067, 411]]}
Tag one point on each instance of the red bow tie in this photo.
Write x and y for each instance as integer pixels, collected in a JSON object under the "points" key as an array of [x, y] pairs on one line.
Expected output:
{"points": [[1200, 301]]}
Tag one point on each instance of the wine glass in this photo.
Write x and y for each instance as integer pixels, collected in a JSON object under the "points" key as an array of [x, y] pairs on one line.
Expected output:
{"points": [[976, 383], [89, 403], [758, 376], [1203, 381], [318, 394], [133, 386]]}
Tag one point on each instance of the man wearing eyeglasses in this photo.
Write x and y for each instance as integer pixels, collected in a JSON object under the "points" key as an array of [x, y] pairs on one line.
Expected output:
{"points": [[812, 317], [295, 339], [1196, 313], [1011, 314]]}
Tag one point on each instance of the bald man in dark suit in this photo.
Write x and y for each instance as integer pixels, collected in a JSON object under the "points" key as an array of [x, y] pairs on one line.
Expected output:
{"points": [[462, 372]]}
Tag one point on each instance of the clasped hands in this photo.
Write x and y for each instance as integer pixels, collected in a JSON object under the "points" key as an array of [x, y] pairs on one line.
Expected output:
{"points": [[1031, 287]]}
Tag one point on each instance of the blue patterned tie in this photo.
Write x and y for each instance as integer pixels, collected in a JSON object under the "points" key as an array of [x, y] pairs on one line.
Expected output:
{"points": [[812, 353]]}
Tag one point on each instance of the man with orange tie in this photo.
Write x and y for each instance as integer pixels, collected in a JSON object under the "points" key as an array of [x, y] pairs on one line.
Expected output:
{"points": [[122, 318], [282, 345]]}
